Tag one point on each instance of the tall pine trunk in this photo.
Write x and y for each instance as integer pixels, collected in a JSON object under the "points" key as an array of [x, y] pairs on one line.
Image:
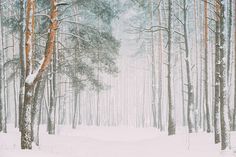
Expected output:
{"points": [[38, 97], [160, 48], [1, 77], [22, 61], [153, 67], [217, 77], [3, 109], [34, 75], [208, 120], [190, 113], [234, 112], [224, 112], [171, 119], [229, 39], [26, 137], [52, 105]]}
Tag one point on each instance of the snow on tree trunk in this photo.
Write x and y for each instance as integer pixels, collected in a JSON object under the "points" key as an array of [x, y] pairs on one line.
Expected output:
{"points": [[38, 96], [224, 112], [26, 137], [26, 142]]}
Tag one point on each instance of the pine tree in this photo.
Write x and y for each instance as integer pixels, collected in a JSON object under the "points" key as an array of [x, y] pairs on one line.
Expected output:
{"points": [[224, 112], [171, 120], [217, 76], [33, 76]]}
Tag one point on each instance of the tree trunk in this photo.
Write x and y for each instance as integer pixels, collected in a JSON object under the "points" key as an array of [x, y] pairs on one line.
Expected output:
{"points": [[189, 84], [153, 68], [206, 65], [217, 78], [1, 76], [14, 85], [182, 89], [224, 112], [26, 141], [36, 138], [234, 112], [171, 119], [229, 39], [38, 97], [76, 114], [52, 107], [22, 60], [26, 137], [160, 48], [32, 77], [3, 112], [196, 108]]}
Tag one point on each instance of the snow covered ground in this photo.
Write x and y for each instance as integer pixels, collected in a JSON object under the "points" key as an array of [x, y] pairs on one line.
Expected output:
{"points": [[114, 142]]}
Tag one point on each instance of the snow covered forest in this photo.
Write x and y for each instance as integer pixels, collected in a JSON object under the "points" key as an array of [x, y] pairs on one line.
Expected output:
{"points": [[104, 78]]}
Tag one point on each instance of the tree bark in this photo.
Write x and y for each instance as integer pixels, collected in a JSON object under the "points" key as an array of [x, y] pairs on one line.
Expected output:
{"points": [[1, 76], [171, 119], [196, 107], [3, 106], [153, 68], [224, 112], [190, 113], [76, 114], [32, 77], [26, 142], [234, 112], [160, 48], [217, 77], [22, 60], [26, 137], [229, 38], [206, 65], [38, 97], [52, 107]]}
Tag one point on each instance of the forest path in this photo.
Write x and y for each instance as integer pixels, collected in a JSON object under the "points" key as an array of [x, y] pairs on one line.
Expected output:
{"points": [[113, 142]]}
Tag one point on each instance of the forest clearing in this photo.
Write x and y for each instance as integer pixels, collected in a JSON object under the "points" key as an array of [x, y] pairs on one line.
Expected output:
{"points": [[135, 78]]}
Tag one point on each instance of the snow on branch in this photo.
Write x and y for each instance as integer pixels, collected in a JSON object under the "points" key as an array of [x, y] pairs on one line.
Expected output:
{"points": [[32, 77]]}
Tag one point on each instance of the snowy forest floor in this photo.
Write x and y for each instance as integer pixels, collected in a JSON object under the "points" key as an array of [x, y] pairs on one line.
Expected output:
{"points": [[115, 142]]}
